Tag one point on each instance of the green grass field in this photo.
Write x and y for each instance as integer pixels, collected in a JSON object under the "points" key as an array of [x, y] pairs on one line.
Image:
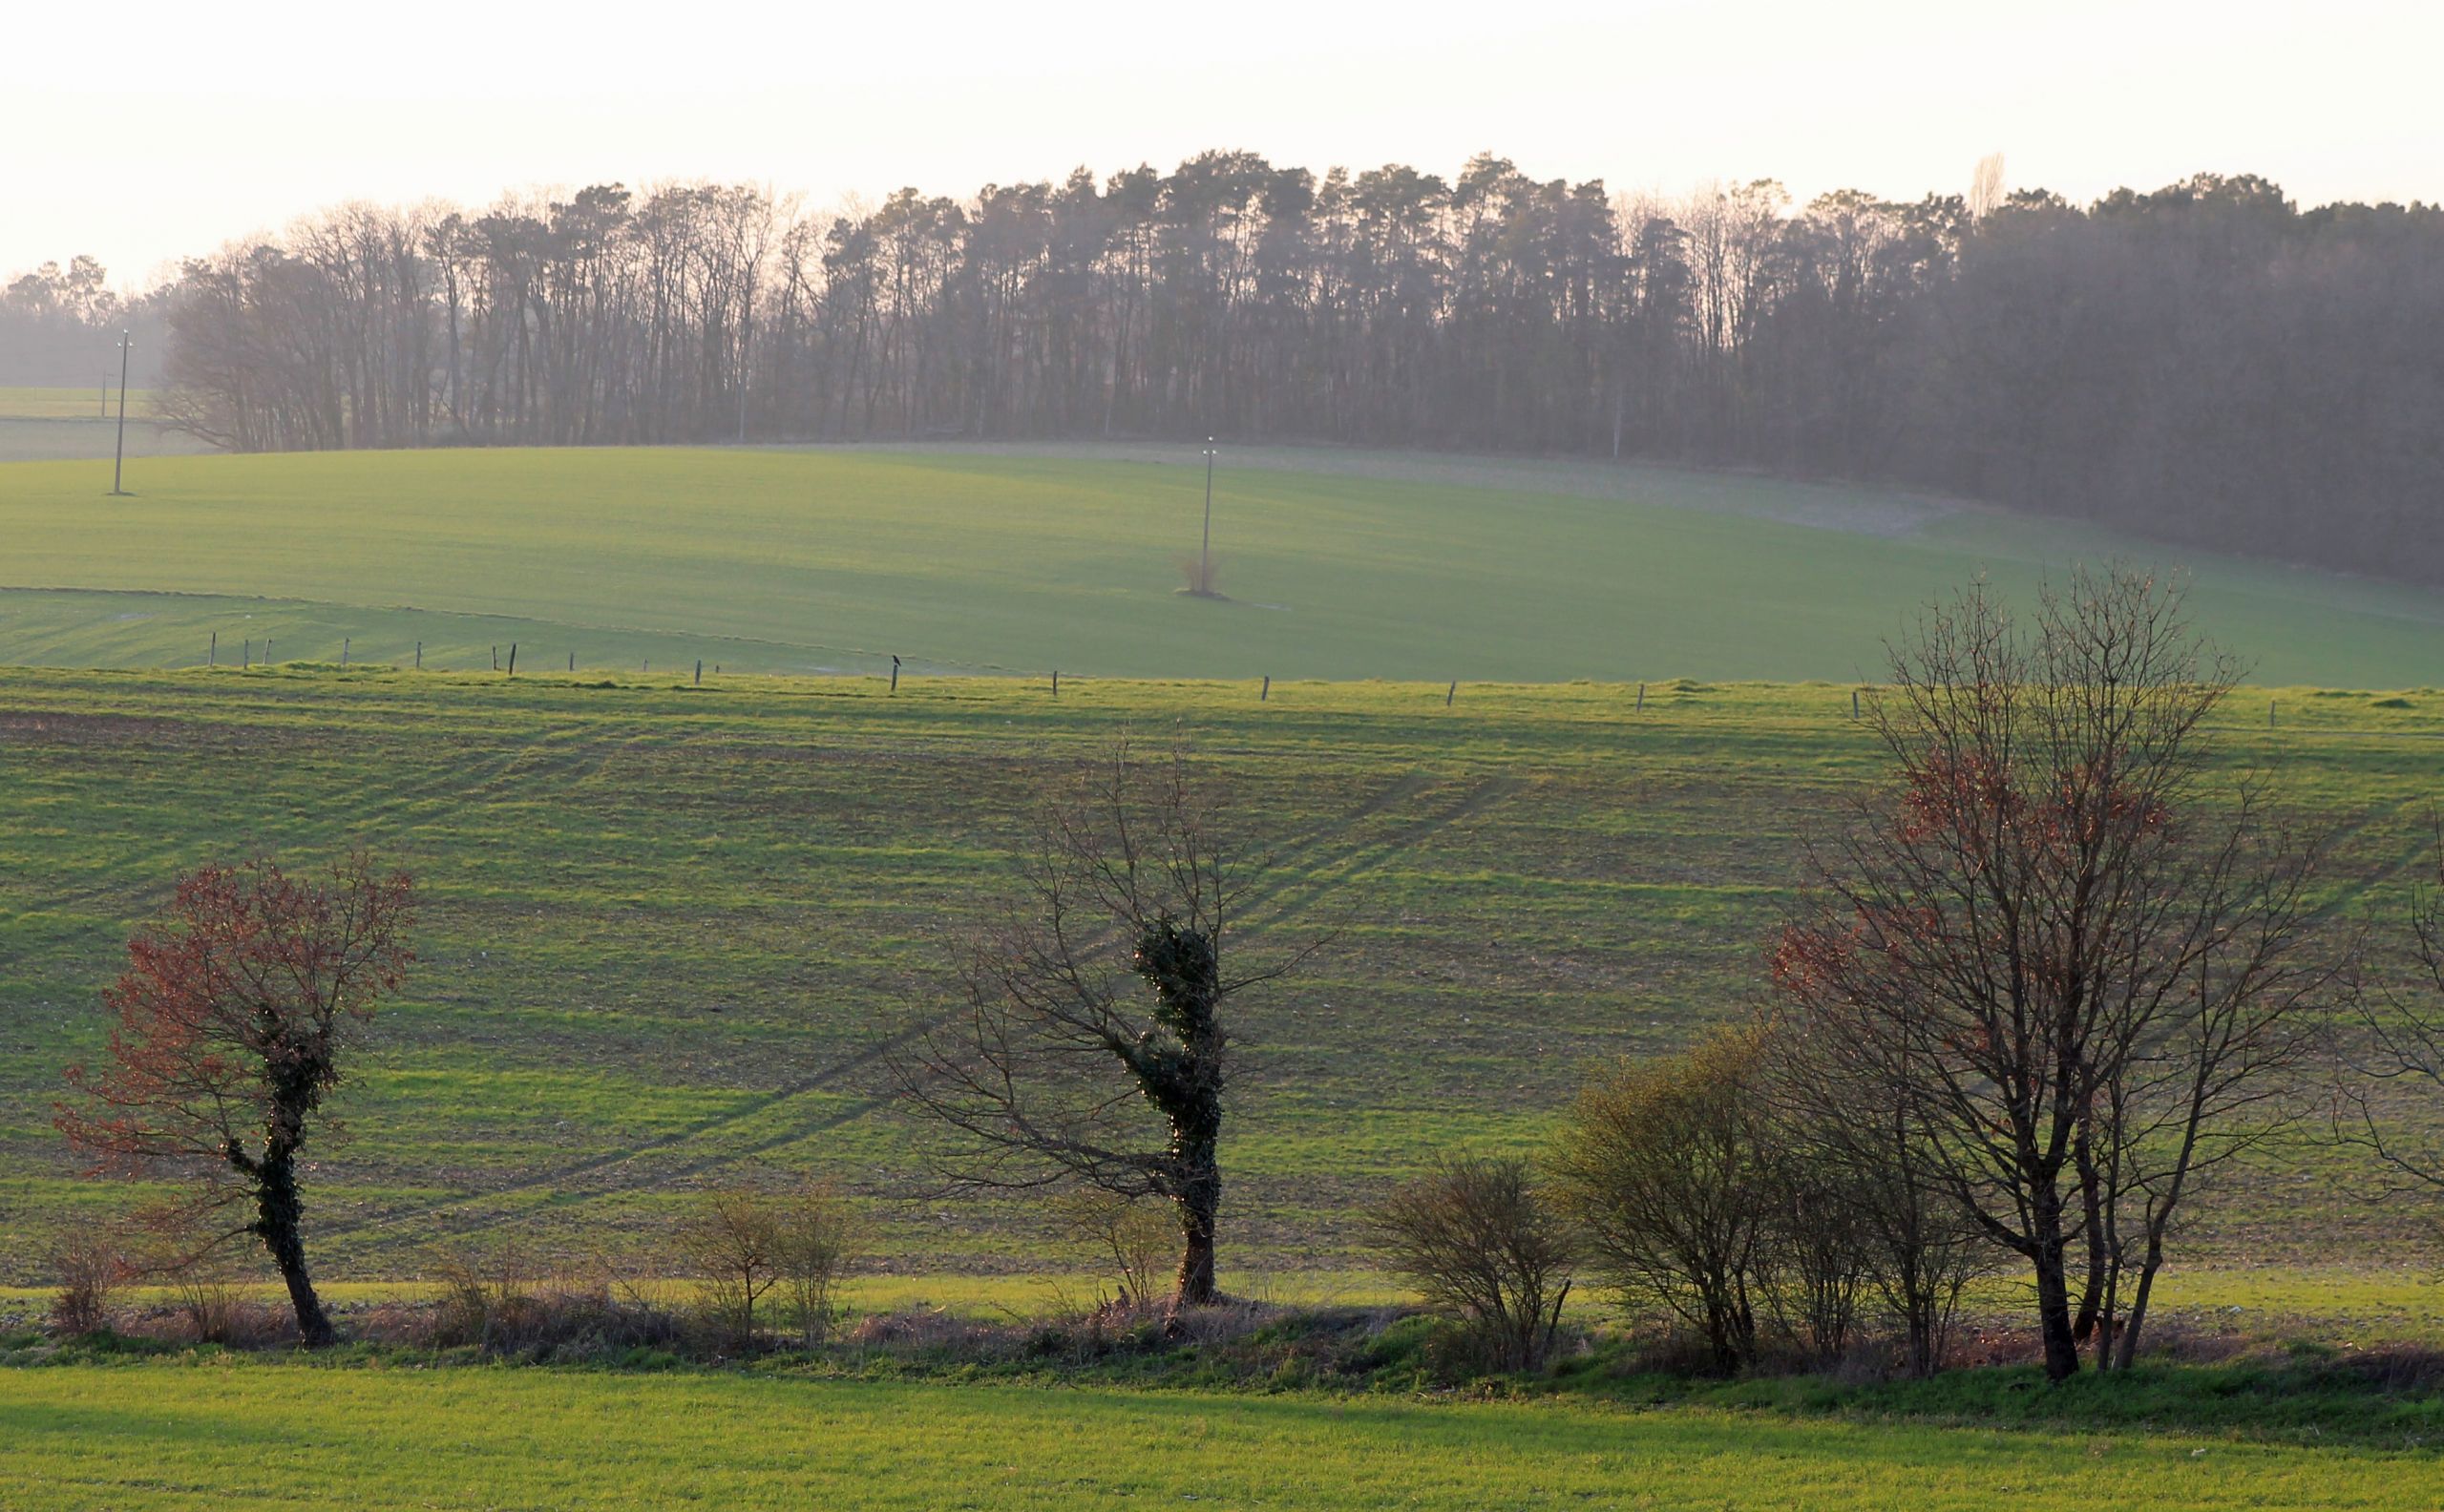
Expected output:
{"points": [[1337, 565], [53, 425], [73, 404], [168, 1436], [667, 928]]}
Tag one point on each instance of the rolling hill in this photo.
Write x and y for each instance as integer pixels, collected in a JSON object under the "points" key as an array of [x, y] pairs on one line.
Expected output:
{"points": [[1338, 566]]}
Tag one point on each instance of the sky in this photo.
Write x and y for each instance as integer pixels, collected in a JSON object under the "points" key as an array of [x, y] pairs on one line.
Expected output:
{"points": [[143, 131]]}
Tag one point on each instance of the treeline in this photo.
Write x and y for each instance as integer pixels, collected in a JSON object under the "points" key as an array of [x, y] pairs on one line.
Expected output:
{"points": [[2206, 362], [60, 327]]}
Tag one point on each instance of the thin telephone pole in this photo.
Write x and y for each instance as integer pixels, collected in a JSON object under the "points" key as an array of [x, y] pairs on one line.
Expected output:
{"points": [[1205, 553], [118, 455]]}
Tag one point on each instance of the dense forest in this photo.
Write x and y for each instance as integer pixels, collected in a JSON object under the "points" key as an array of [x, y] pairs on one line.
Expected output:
{"points": [[2206, 362]]}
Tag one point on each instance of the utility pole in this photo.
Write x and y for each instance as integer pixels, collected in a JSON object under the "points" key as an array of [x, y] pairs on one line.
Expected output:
{"points": [[1205, 553], [118, 455]]}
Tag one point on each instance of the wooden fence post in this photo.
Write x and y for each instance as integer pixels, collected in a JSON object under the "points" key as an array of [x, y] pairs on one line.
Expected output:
{"points": [[894, 674], [1265, 692], [513, 658], [1641, 698], [212, 654], [419, 656], [1056, 682], [700, 671], [343, 650], [1452, 693], [1854, 702]]}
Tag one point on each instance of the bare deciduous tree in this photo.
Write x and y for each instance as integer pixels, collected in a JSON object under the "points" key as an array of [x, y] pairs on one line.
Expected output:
{"points": [[1917, 1247], [2073, 956], [2402, 1034], [1094, 1047], [732, 1240]]}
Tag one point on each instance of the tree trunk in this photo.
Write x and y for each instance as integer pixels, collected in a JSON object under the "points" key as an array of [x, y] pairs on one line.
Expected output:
{"points": [[2091, 1199], [2126, 1347], [1196, 1285], [278, 1213], [2054, 1313]]}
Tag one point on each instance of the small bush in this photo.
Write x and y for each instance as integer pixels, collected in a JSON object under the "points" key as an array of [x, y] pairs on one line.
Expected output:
{"points": [[503, 1301], [817, 1239], [1473, 1236], [732, 1240], [217, 1313], [1138, 1239], [1667, 1166], [91, 1272]]}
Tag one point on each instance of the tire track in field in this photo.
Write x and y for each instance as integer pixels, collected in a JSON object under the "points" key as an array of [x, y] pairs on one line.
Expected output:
{"points": [[1285, 889], [494, 770]]}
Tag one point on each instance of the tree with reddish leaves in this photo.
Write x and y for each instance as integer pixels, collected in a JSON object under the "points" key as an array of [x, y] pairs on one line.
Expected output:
{"points": [[2070, 946], [234, 1019]]}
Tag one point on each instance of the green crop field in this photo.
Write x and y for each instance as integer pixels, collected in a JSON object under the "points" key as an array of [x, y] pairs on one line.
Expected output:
{"points": [[1335, 565], [73, 404], [40, 425], [667, 928], [169, 1436]]}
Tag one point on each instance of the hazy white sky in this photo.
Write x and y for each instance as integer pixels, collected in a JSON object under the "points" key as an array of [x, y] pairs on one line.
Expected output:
{"points": [[141, 130]]}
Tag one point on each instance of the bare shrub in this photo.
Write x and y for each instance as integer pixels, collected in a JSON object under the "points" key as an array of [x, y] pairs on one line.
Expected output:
{"points": [[1817, 1263], [504, 1300], [486, 1296], [215, 1309], [1916, 1245], [1475, 1238], [1135, 1238], [732, 1240], [91, 1271], [817, 1239]]}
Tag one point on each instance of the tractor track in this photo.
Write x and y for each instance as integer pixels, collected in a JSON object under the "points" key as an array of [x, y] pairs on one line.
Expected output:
{"points": [[1296, 876]]}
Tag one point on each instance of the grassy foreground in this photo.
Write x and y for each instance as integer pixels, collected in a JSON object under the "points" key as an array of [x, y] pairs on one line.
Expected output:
{"points": [[1359, 566], [163, 1436]]}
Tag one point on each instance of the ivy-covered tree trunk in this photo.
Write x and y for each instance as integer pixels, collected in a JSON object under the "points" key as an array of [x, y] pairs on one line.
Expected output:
{"points": [[280, 1210], [1183, 1078], [1200, 1207]]}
